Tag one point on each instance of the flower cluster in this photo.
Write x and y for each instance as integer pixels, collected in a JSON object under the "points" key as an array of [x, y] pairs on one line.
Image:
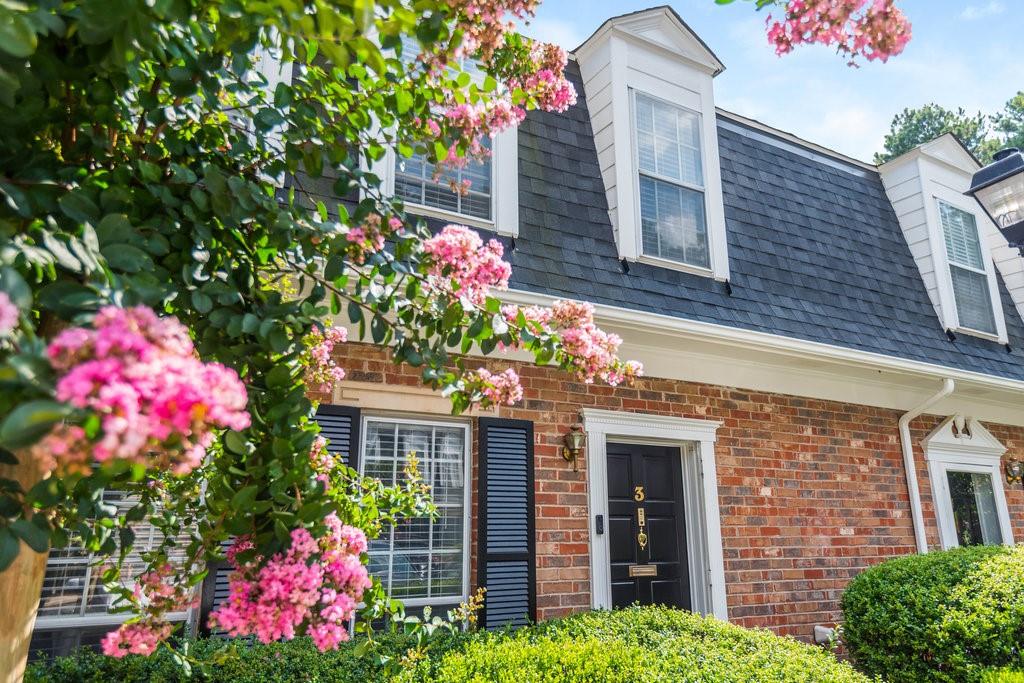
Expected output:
{"points": [[158, 593], [314, 588], [588, 351], [155, 401], [321, 460], [369, 237], [8, 315], [462, 265], [496, 388], [321, 370], [876, 29], [484, 23], [545, 78]]}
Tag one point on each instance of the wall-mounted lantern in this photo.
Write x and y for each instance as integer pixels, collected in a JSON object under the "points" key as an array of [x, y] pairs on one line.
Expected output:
{"points": [[1014, 471], [574, 440], [999, 188]]}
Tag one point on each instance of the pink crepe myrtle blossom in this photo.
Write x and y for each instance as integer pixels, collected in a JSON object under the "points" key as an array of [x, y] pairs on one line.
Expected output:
{"points": [[370, 235], [157, 593], [589, 352], [8, 315], [313, 588], [502, 388], [322, 372], [874, 29], [460, 264], [157, 403]]}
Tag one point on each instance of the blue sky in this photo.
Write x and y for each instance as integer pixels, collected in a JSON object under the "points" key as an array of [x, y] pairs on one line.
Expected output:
{"points": [[964, 53]]}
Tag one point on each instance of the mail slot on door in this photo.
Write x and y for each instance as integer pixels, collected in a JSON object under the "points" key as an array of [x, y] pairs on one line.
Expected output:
{"points": [[637, 570]]}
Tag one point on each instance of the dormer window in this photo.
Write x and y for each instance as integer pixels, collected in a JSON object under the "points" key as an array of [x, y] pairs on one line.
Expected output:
{"points": [[648, 81], [415, 184], [671, 176], [967, 269]]}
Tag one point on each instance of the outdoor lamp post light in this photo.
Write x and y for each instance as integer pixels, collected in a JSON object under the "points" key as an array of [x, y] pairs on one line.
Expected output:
{"points": [[999, 188]]}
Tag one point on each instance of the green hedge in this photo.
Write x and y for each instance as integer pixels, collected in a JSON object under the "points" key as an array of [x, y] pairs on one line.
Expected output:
{"points": [[649, 645], [1003, 676], [245, 662], [943, 616]]}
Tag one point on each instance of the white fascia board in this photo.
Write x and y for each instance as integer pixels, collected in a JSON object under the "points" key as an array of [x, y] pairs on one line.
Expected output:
{"points": [[642, 321]]}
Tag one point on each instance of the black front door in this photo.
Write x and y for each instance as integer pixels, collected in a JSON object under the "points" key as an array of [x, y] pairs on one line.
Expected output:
{"points": [[646, 526]]}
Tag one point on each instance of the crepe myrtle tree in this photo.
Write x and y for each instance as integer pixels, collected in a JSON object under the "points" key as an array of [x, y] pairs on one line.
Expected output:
{"points": [[164, 287]]}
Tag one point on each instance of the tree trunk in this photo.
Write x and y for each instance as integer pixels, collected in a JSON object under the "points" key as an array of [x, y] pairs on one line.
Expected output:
{"points": [[20, 586]]}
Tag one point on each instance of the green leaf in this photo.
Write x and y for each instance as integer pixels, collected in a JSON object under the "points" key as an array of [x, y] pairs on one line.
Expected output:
{"points": [[30, 421], [35, 537], [244, 498], [15, 287], [202, 303], [77, 206], [126, 258], [235, 443], [8, 548], [17, 38]]}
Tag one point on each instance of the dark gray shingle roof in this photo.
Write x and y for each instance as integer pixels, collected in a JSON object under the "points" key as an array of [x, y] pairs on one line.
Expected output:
{"points": [[815, 250]]}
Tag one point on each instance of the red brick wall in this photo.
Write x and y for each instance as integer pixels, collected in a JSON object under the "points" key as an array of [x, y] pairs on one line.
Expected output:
{"points": [[810, 491]]}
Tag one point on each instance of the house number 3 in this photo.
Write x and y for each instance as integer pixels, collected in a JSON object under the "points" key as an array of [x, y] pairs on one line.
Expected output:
{"points": [[638, 494]]}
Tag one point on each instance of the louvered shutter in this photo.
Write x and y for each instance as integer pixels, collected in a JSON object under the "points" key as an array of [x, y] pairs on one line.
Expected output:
{"points": [[507, 547], [340, 426]]}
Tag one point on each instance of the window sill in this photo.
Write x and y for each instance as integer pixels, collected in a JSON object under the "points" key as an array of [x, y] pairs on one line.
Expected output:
{"points": [[677, 265], [981, 335], [454, 217]]}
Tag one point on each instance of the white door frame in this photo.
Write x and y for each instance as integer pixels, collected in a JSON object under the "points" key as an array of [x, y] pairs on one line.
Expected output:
{"points": [[952, 448], [696, 442]]}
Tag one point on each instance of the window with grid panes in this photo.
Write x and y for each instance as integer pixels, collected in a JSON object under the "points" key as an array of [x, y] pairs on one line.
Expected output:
{"points": [[967, 269], [673, 224], [421, 561], [74, 607], [415, 180]]}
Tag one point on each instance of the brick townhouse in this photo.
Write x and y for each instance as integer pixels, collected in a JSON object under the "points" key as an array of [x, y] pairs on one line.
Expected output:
{"points": [[834, 358]]}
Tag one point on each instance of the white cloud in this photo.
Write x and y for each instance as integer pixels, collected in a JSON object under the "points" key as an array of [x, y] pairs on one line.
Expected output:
{"points": [[990, 9]]}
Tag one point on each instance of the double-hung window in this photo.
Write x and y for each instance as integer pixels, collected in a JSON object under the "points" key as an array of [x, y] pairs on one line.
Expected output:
{"points": [[967, 269], [465, 191], [673, 220], [422, 561], [418, 182]]}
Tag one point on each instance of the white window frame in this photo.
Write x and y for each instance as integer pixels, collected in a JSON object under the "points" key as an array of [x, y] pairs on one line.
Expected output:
{"points": [[696, 442], [949, 449], [944, 278], [703, 189], [466, 499]]}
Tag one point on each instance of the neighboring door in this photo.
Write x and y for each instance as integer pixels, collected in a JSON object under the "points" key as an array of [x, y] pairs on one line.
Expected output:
{"points": [[646, 526]]}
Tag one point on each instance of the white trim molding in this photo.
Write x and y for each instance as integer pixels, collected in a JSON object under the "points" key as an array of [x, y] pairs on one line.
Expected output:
{"points": [[962, 444], [696, 442]]}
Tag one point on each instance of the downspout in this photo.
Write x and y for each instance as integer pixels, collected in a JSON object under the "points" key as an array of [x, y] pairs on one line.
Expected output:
{"points": [[908, 461]]}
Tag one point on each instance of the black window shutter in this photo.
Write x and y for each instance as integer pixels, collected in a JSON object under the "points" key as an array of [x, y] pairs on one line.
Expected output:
{"points": [[340, 426], [506, 540]]}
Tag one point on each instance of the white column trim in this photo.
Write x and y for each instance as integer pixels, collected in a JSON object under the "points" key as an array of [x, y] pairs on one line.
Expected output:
{"points": [[696, 440]]}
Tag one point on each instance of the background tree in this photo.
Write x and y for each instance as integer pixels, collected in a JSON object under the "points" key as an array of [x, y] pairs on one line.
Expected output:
{"points": [[1009, 123], [913, 127]]}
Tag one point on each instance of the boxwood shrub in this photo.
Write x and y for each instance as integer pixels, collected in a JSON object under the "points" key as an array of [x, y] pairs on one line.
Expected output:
{"points": [[649, 645], [945, 616]]}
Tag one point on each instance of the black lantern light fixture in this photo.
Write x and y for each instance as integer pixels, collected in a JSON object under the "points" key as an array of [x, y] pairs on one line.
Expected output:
{"points": [[574, 440], [999, 188]]}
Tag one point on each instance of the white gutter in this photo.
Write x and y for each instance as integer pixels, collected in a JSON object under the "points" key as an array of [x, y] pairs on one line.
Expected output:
{"points": [[908, 461]]}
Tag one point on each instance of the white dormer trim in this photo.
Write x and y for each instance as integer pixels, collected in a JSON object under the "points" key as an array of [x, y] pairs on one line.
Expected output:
{"points": [[916, 183], [962, 444], [651, 52]]}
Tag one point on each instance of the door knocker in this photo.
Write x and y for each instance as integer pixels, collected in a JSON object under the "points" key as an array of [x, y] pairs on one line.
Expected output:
{"points": [[641, 520]]}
